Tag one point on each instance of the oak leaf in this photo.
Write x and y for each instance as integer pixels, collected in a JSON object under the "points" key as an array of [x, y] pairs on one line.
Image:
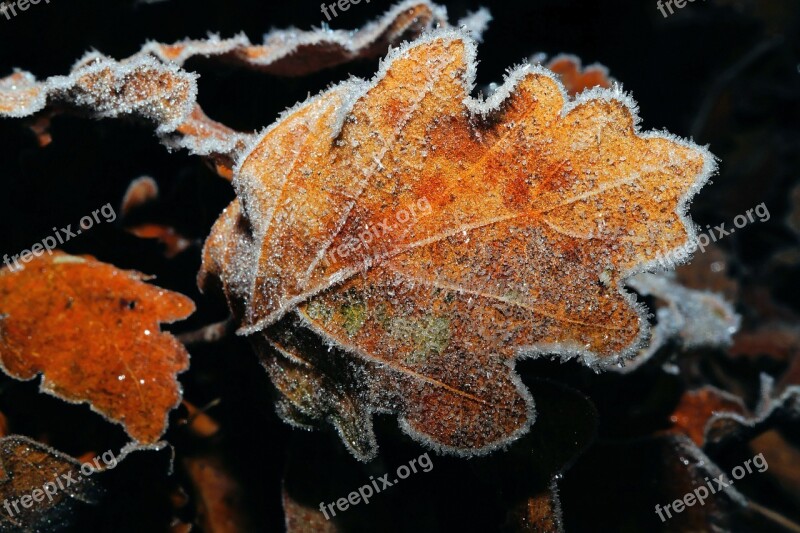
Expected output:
{"points": [[689, 317], [696, 413], [92, 331], [577, 78], [26, 466], [293, 52], [152, 86], [538, 208]]}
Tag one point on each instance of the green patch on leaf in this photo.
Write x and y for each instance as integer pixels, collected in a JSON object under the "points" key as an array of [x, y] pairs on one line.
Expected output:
{"points": [[427, 335], [354, 315]]}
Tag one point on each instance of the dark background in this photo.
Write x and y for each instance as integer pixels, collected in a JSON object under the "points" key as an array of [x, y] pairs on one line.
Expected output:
{"points": [[726, 73]]}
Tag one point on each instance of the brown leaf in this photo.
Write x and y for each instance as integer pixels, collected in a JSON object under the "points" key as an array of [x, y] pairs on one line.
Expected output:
{"points": [[301, 518], [220, 499], [433, 238], [26, 466], [697, 409], [709, 271], [539, 514], [139, 87], [199, 422], [20, 95], [777, 340], [296, 53], [218, 143], [139, 192], [93, 332], [575, 77], [40, 126], [174, 243]]}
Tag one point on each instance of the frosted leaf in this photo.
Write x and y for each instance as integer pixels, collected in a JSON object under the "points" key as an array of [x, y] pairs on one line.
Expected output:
{"points": [[360, 299], [20, 95], [151, 85], [702, 414], [103, 338], [25, 466], [139, 87], [575, 77], [692, 318], [140, 191], [783, 403], [294, 52]]}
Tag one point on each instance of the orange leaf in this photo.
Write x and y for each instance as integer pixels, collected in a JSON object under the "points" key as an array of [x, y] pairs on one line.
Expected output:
{"points": [[174, 242], [93, 332], [697, 410], [219, 497], [433, 239], [577, 79], [140, 192]]}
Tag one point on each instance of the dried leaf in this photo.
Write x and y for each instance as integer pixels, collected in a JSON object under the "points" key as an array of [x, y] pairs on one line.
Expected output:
{"points": [[302, 518], [150, 84], [777, 340], [139, 87], [638, 475], [199, 422], [511, 226], [205, 137], [574, 76], [139, 192], [173, 242], [20, 95], [774, 403], [26, 466], [294, 52], [540, 515], [92, 331], [691, 317], [709, 271], [40, 127], [696, 411], [220, 499]]}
